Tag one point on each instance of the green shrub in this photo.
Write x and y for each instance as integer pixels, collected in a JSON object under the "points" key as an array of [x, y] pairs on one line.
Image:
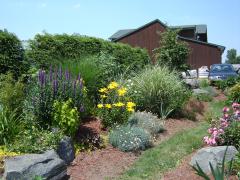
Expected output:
{"points": [[114, 107], [45, 49], [11, 93], [203, 83], [212, 92], [231, 134], [203, 97], [11, 54], [128, 138], [10, 125], [51, 86], [66, 116], [147, 121], [158, 90], [236, 165], [228, 83], [34, 140], [234, 93]]}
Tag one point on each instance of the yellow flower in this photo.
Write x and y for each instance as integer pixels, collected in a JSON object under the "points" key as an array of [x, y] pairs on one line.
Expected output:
{"points": [[103, 90], [122, 91], [130, 104], [119, 104], [130, 109], [109, 106], [103, 96], [100, 105], [113, 85]]}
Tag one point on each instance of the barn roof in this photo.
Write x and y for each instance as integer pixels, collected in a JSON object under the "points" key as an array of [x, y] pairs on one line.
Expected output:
{"points": [[222, 48], [200, 28], [125, 32]]}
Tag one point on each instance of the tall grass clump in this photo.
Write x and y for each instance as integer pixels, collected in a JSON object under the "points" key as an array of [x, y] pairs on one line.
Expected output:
{"points": [[158, 90]]}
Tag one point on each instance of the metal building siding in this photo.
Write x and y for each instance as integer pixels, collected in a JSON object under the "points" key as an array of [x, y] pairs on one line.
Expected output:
{"points": [[145, 38], [203, 55]]}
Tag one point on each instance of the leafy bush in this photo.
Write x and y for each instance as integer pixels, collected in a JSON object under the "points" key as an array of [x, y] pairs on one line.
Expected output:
{"points": [[228, 83], [11, 93], [114, 107], [147, 121], [234, 93], [203, 97], [203, 83], [231, 134], [158, 90], [11, 54], [128, 138], [172, 52], [34, 140], [46, 48], [66, 116], [52, 86], [227, 130], [236, 165], [9, 125]]}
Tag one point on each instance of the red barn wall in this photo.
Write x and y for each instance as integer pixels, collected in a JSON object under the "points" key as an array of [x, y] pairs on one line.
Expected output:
{"points": [[203, 55], [145, 38]]}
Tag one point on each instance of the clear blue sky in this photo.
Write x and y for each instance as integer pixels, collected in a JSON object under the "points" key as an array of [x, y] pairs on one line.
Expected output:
{"points": [[101, 18]]}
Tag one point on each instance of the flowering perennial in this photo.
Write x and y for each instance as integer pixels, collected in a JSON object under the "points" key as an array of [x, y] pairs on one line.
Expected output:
{"points": [[217, 131], [115, 106]]}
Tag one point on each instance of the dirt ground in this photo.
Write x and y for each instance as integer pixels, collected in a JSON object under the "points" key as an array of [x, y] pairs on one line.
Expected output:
{"points": [[111, 162]]}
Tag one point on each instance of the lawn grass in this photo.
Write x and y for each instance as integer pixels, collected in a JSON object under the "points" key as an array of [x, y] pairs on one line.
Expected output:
{"points": [[154, 162], [215, 107]]}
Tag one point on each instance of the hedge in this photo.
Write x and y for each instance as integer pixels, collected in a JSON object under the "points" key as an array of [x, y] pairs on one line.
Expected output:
{"points": [[47, 48], [11, 53]]}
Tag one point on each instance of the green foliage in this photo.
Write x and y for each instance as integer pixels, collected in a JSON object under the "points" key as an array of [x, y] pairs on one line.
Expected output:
{"points": [[11, 93], [203, 97], [236, 165], [34, 140], [158, 90], [234, 93], [211, 91], [172, 52], [218, 173], [231, 134], [147, 121], [155, 162], [45, 49], [228, 83], [203, 83], [128, 138], [114, 107], [51, 86], [232, 57], [66, 116], [10, 125], [11, 54]]}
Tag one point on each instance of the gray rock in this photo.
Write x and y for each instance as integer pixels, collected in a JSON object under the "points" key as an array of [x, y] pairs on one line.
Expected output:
{"points": [[214, 155], [47, 165], [66, 150], [192, 83], [200, 91]]}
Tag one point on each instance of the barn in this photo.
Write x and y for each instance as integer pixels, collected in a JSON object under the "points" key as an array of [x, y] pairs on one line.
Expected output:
{"points": [[202, 52]]}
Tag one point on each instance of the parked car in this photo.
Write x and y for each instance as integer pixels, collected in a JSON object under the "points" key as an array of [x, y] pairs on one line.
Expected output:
{"points": [[221, 72]]}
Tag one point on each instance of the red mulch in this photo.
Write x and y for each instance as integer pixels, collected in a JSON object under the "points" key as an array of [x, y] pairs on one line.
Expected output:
{"points": [[111, 162]]}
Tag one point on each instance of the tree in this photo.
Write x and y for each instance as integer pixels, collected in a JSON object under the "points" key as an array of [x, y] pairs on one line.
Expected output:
{"points": [[232, 57], [172, 52], [11, 53]]}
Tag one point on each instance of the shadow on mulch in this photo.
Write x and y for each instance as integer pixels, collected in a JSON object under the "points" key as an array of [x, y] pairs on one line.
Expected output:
{"points": [[88, 133]]}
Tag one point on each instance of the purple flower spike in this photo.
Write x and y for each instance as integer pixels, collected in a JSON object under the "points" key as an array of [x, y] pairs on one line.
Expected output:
{"points": [[55, 86], [50, 73], [82, 108], [60, 72], [74, 87], [79, 77], [66, 75]]}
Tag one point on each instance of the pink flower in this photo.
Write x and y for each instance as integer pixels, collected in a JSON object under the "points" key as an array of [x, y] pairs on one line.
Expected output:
{"points": [[235, 105], [237, 113], [210, 130], [226, 116], [225, 109]]}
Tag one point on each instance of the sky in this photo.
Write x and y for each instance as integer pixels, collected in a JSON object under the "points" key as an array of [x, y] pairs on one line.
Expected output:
{"points": [[102, 18]]}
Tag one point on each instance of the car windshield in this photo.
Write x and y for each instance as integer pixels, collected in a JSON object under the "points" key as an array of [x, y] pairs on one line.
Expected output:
{"points": [[221, 68]]}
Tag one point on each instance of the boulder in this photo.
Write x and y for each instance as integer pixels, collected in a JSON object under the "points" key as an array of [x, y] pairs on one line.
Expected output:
{"points": [[47, 165], [213, 155], [200, 91], [192, 83], [66, 150]]}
